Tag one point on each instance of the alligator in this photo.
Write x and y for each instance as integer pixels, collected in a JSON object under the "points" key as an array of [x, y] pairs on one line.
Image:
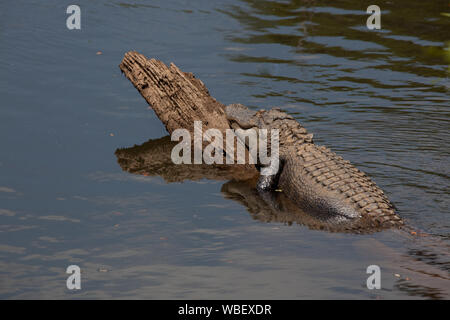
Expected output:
{"points": [[312, 176]]}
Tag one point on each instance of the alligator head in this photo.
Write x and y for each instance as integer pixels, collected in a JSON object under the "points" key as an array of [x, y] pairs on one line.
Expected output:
{"points": [[239, 116], [246, 123]]}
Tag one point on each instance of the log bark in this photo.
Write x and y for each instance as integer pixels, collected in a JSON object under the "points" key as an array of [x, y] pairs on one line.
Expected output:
{"points": [[177, 97]]}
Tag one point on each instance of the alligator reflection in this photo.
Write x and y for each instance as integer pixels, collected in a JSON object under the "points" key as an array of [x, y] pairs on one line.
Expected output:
{"points": [[153, 159]]}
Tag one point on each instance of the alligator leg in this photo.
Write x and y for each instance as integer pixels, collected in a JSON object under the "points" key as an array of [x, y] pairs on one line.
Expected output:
{"points": [[268, 180]]}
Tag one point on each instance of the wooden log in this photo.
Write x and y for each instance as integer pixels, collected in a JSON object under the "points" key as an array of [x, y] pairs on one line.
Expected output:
{"points": [[177, 97]]}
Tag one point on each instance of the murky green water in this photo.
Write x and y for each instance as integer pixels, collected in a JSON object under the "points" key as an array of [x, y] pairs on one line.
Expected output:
{"points": [[378, 98]]}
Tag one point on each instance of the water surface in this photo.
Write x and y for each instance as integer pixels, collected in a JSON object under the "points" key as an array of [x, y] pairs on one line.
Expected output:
{"points": [[378, 98]]}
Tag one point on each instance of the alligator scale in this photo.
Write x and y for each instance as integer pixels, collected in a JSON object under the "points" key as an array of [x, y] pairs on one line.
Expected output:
{"points": [[313, 176]]}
